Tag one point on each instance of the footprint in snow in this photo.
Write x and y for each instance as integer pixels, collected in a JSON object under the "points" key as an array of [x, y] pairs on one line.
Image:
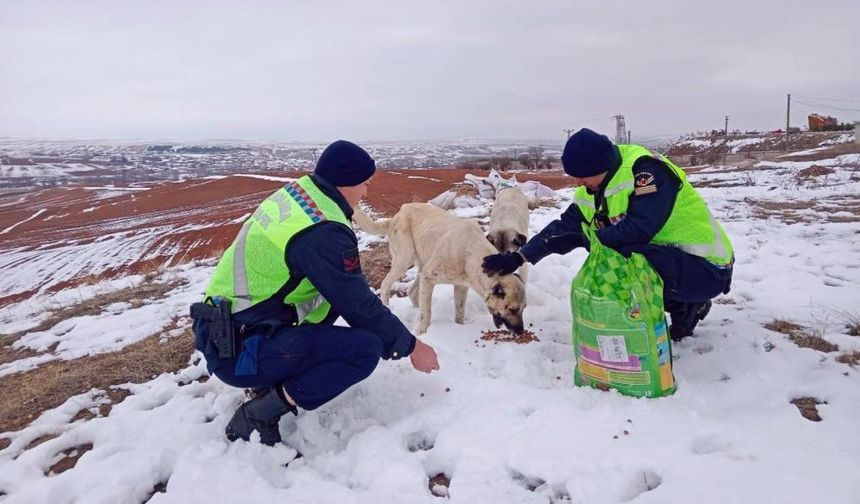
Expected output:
{"points": [[703, 348], [527, 411], [704, 445], [531, 483], [555, 493], [644, 482], [160, 487], [419, 441]]}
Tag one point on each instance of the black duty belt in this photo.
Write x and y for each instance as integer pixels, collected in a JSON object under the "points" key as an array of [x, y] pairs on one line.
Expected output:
{"points": [[225, 333]]}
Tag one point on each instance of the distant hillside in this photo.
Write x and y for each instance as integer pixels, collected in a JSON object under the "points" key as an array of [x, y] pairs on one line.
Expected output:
{"points": [[742, 148], [46, 163], [773, 141]]}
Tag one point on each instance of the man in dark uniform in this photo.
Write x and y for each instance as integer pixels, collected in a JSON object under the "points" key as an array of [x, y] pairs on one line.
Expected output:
{"points": [[638, 201], [293, 270]]}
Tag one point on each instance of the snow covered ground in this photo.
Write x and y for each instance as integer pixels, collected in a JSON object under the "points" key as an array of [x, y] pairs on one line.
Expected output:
{"points": [[503, 421]]}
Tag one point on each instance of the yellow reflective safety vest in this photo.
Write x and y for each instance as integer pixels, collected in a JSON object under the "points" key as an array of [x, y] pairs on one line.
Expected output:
{"points": [[690, 226], [254, 268]]}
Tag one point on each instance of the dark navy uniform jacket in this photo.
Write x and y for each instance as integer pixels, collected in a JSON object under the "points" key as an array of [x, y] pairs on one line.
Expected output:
{"points": [[686, 278], [646, 214], [327, 254]]}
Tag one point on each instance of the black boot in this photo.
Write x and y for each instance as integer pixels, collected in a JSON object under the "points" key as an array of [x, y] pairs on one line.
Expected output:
{"points": [[704, 310], [260, 414], [685, 316]]}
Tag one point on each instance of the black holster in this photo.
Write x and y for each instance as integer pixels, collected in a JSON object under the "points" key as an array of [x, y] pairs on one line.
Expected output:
{"points": [[216, 312]]}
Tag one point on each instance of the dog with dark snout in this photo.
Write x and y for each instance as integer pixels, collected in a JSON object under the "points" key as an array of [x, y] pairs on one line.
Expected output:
{"points": [[447, 250]]}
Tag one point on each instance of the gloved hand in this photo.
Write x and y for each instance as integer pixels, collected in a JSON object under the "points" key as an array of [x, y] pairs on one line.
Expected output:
{"points": [[564, 243], [502, 264]]}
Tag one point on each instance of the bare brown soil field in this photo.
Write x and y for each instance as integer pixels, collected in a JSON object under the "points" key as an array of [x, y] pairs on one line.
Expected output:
{"points": [[390, 189], [196, 219]]}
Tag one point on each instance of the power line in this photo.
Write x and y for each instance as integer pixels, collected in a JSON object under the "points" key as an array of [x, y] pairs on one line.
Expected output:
{"points": [[772, 110], [827, 107], [853, 100]]}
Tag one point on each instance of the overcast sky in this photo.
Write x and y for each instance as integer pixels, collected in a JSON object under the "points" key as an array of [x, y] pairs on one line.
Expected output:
{"points": [[400, 70]]}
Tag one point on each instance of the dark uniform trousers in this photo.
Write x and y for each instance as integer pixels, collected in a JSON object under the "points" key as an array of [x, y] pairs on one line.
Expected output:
{"points": [[686, 278], [314, 363], [688, 281]]}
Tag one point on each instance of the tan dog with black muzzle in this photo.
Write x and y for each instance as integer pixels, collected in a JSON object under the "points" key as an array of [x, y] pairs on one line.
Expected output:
{"points": [[446, 250]]}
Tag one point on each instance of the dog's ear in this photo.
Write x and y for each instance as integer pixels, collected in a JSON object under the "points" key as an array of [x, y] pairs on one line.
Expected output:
{"points": [[520, 240], [499, 291]]}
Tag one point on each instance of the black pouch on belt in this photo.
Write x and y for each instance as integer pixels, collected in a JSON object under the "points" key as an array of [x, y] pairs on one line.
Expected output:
{"points": [[216, 311]]}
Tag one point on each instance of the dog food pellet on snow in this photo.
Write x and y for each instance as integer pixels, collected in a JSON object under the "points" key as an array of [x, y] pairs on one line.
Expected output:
{"points": [[509, 337]]}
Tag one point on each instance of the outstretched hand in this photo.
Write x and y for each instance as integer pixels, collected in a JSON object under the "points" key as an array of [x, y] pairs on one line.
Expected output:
{"points": [[423, 357], [502, 264]]}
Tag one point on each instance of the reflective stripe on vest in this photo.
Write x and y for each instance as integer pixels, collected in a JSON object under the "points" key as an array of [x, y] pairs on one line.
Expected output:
{"points": [[240, 275], [624, 186], [584, 202], [715, 249], [253, 268], [305, 309]]}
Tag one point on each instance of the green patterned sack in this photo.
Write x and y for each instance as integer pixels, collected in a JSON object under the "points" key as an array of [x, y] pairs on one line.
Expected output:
{"points": [[619, 328]]}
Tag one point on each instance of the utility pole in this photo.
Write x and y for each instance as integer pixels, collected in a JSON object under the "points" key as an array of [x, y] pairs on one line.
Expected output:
{"points": [[787, 120], [620, 129], [314, 150], [568, 131], [628, 136], [727, 126]]}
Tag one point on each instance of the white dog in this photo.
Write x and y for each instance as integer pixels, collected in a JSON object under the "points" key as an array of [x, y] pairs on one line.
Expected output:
{"points": [[447, 250], [509, 223]]}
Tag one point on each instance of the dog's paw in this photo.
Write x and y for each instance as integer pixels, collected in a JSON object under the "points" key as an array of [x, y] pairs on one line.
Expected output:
{"points": [[420, 328]]}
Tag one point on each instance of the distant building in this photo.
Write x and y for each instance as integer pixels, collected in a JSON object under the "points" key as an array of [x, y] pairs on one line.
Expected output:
{"points": [[821, 123]]}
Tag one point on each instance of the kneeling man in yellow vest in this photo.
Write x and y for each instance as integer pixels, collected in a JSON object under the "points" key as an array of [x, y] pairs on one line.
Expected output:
{"points": [[266, 322]]}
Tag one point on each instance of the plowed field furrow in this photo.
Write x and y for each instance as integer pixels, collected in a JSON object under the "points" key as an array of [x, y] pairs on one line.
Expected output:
{"points": [[83, 236]]}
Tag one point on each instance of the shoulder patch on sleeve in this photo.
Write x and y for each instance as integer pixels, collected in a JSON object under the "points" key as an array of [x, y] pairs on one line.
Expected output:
{"points": [[645, 190], [644, 178], [351, 261], [644, 183]]}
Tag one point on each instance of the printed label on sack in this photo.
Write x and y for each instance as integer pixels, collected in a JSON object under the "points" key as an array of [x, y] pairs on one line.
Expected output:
{"points": [[612, 348]]}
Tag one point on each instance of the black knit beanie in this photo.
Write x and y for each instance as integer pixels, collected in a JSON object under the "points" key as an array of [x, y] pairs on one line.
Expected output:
{"points": [[588, 153], [344, 164]]}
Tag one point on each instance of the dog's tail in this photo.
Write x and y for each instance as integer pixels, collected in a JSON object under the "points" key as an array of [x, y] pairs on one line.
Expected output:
{"points": [[378, 227]]}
